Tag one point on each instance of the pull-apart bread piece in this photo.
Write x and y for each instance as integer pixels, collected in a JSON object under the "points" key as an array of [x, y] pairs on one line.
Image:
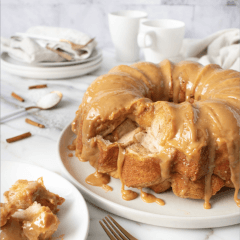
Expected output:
{"points": [[24, 193], [35, 223], [29, 211], [177, 126], [7, 210]]}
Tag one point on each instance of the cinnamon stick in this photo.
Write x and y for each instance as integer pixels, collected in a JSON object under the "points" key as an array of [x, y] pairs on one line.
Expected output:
{"points": [[17, 97], [38, 86], [29, 121], [19, 137]]}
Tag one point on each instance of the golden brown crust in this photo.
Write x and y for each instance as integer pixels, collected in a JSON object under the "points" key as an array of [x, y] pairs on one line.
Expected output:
{"points": [[29, 211], [186, 188], [108, 155], [185, 116], [140, 172], [24, 193], [7, 210], [161, 187], [222, 164], [192, 169]]}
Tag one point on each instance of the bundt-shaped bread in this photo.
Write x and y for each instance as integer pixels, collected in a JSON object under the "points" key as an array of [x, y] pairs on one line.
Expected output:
{"points": [[177, 125]]}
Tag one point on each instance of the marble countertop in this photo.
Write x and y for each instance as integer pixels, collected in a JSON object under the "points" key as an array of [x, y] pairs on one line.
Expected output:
{"points": [[42, 147]]}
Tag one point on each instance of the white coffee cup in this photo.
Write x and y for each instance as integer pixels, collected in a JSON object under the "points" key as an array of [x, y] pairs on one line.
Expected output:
{"points": [[124, 27], [160, 39]]}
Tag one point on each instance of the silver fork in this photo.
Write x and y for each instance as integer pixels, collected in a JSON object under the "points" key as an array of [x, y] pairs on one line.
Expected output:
{"points": [[118, 232]]}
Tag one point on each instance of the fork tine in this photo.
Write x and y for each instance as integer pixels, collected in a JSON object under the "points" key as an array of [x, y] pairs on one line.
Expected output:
{"points": [[122, 229], [107, 232], [114, 233], [117, 230]]}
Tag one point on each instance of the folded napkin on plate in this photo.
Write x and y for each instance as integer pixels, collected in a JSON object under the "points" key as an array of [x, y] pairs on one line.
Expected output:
{"points": [[222, 48], [34, 50]]}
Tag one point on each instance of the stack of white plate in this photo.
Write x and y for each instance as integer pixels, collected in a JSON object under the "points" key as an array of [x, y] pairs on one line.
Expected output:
{"points": [[51, 70]]}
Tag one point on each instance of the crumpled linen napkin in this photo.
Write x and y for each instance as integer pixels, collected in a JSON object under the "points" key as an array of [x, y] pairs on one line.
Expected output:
{"points": [[34, 50], [222, 48], [28, 51]]}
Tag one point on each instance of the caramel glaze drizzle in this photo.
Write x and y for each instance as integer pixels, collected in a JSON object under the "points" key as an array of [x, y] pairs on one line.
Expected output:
{"points": [[12, 230], [127, 195], [100, 180], [150, 198], [216, 103], [234, 177], [72, 146], [208, 178], [95, 179]]}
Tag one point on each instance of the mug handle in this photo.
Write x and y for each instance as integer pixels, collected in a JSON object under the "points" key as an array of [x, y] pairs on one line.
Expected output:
{"points": [[142, 36]]}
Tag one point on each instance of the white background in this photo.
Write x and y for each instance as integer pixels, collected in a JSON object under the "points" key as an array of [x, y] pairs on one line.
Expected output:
{"points": [[202, 17]]}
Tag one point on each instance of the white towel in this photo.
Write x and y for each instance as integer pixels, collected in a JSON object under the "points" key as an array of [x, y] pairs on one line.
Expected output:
{"points": [[222, 48], [33, 51]]}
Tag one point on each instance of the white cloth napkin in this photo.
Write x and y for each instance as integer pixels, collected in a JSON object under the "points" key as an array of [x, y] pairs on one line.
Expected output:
{"points": [[28, 50], [222, 48], [34, 50]]}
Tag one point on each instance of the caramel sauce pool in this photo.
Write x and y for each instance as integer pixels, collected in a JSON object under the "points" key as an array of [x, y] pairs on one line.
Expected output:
{"points": [[236, 199], [100, 180], [71, 147], [128, 195], [149, 198], [207, 205], [12, 230]]}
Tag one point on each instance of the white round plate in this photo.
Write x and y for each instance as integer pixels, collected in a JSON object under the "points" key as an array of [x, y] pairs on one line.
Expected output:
{"points": [[96, 53], [176, 213], [9, 65], [73, 214]]}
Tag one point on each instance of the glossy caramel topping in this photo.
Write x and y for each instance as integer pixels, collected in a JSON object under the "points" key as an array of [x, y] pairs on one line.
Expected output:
{"points": [[150, 198], [128, 195], [36, 222], [178, 108], [100, 180], [12, 230], [237, 200], [24, 193], [71, 147]]}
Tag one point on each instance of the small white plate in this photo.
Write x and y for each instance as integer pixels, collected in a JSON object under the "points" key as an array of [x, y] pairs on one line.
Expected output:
{"points": [[176, 213], [96, 53], [61, 72], [73, 214]]}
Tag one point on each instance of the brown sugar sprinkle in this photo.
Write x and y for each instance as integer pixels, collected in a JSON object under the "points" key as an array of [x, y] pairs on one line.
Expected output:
{"points": [[29, 121], [38, 86], [17, 97], [19, 137], [70, 155]]}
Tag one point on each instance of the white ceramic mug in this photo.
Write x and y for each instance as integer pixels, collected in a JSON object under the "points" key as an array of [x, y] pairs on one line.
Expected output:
{"points": [[160, 39], [124, 27]]}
